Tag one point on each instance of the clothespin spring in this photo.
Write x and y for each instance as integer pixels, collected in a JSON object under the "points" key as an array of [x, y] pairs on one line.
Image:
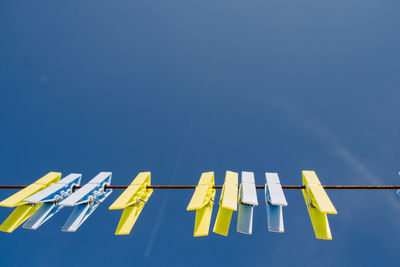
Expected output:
{"points": [[309, 204]]}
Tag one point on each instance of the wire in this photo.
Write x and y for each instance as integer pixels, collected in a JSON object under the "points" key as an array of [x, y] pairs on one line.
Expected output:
{"points": [[367, 187], [263, 186]]}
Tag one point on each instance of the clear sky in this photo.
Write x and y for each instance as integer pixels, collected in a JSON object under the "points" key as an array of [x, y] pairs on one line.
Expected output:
{"points": [[180, 87]]}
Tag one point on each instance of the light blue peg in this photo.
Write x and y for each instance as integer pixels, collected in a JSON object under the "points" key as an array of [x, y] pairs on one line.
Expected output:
{"points": [[86, 200], [247, 200], [50, 198], [275, 199]]}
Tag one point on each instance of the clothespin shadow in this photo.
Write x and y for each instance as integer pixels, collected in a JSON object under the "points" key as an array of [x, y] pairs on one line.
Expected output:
{"points": [[202, 202], [227, 203], [24, 210], [318, 205], [132, 201]]}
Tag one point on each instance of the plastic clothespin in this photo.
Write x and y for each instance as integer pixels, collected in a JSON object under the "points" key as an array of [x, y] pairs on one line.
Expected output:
{"points": [[132, 200], [25, 210], [275, 199], [318, 205], [227, 203], [202, 202], [86, 200], [50, 198], [247, 201], [398, 190]]}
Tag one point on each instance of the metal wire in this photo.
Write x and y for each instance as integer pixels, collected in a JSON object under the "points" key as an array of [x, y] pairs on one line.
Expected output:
{"points": [[367, 187]]}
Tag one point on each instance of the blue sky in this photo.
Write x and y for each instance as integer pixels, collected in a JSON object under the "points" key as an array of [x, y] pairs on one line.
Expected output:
{"points": [[181, 87]]}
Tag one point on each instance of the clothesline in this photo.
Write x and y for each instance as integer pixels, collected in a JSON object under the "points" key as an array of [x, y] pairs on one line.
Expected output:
{"points": [[36, 203], [370, 187]]}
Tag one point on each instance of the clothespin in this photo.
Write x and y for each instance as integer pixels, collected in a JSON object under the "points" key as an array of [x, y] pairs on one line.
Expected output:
{"points": [[50, 198], [247, 201], [275, 199], [227, 203], [318, 205], [202, 202], [132, 200], [25, 210], [86, 200], [398, 190]]}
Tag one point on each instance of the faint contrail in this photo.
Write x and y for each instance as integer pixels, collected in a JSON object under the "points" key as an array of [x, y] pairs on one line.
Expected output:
{"points": [[164, 203], [334, 143], [181, 153]]}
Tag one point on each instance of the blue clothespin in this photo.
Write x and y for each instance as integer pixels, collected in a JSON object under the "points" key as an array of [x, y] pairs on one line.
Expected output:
{"points": [[275, 199], [247, 201], [51, 198], [398, 190], [86, 200]]}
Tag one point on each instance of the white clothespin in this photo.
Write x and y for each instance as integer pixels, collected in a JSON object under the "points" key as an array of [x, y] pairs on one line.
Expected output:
{"points": [[51, 197], [275, 199], [247, 201], [86, 200]]}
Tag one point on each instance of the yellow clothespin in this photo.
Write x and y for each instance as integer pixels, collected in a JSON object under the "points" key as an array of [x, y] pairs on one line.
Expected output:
{"points": [[227, 203], [132, 200], [202, 201], [24, 210], [318, 205]]}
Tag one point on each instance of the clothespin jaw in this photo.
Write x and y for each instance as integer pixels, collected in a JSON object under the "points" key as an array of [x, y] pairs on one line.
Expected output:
{"points": [[25, 210], [227, 203], [86, 200], [318, 205], [247, 201], [132, 201], [202, 202], [50, 199], [18, 198], [275, 199]]}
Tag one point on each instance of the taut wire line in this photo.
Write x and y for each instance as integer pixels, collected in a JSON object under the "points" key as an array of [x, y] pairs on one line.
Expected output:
{"points": [[370, 187]]}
